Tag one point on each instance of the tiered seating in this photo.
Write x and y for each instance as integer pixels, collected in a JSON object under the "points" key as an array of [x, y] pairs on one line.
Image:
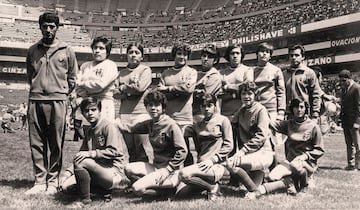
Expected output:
{"points": [[124, 4], [82, 5], [69, 4], [95, 6], [9, 10]]}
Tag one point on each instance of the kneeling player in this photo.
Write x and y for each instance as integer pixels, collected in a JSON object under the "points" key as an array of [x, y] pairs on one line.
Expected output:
{"points": [[303, 147], [100, 162], [255, 152], [168, 145], [213, 140]]}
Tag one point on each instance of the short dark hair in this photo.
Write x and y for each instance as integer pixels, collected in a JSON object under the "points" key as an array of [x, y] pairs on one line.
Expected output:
{"points": [[90, 101], [265, 46], [211, 49], [300, 47], [248, 86], [295, 103], [135, 44], [107, 42], [317, 71], [345, 74], [181, 47], [208, 99], [155, 97], [231, 47], [49, 17]]}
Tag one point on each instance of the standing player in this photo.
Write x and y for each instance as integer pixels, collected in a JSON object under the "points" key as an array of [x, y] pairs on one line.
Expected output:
{"points": [[209, 79], [270, 82], [178, 84], [96, 78], [301, 81], [255, 153], [51, 70], [100, 161], [168, 144], [213, 140], [232, 78], [350, 118], [133, 84]]}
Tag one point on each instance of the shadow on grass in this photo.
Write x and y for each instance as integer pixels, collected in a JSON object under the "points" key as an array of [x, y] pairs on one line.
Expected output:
{"points": [[331, 168], [17, 183]]}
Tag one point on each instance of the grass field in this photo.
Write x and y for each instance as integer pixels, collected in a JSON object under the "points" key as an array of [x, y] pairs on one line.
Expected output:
{"points": [[335, 188]]}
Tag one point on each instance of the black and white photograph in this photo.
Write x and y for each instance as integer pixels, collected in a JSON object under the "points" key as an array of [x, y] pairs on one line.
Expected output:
{"points": [[179, 104]]}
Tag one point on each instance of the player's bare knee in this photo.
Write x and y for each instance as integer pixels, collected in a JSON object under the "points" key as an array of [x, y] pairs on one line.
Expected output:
{"points": [[138, 189]]}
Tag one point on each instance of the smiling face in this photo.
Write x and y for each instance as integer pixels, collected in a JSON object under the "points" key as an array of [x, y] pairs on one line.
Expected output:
{"points": [[134, 56], [99, 51], [48, 31], [155, 110], [296, 58], [91, 114], [181, 58], [247, 97]]}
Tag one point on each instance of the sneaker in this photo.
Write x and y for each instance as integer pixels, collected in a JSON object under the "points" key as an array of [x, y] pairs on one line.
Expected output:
{"points": [[107, 198], [36, 189], [311, 182], [349, 168], [79, 204], [51, 190], [252, 195], [291, 190], [214, 194]]}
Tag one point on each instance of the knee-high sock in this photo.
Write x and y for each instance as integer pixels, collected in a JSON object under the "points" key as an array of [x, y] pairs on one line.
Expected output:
{"points": [[245, 179], [257, 177], [83, 182], [277, 186], [197, 181], [303, 180]]}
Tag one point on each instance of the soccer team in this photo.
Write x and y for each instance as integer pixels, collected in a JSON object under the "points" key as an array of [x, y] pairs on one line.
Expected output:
{"points": [[231, 116]]}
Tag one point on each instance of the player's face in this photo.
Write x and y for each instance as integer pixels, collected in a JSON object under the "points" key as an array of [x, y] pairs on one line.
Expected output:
{"points": [[263, 56], [180, 58], [99, 51], [208, 110], [235, 57], [155, 110], [299, 111], [48, 31], [91, 113], [296, 58], [247, 97], [207, 61], [134, 56]]}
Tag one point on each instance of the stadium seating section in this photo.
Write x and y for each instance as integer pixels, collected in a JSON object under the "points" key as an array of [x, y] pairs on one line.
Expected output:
{"points": [[243, 18]]}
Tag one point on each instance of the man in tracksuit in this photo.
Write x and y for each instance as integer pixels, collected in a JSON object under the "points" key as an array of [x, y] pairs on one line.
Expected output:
{"points": [[301, 82], [51, 71]]}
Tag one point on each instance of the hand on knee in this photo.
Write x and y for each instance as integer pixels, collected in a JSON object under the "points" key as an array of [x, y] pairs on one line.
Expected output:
{"points": [[297, 167], [185, 177]]}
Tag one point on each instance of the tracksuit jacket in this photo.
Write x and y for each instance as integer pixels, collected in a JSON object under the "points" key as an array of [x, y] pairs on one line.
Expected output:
{"points": [[51, 71]]}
